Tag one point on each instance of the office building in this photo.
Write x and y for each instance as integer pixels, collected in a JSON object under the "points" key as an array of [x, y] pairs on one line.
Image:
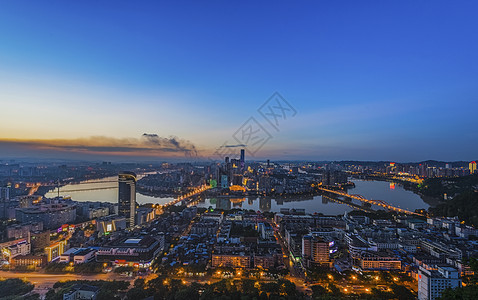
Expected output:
{"points": [[431, 283], [127, 197]]}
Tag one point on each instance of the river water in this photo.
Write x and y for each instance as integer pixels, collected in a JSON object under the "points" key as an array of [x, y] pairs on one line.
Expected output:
{"points": [[106, 190]]}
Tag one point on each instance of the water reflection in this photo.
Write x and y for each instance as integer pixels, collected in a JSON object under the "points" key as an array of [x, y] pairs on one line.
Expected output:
{"points": [[393, 193]]}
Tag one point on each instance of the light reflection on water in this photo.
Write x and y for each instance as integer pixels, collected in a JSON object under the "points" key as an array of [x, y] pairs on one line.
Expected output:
{"points": [[394, 194]]}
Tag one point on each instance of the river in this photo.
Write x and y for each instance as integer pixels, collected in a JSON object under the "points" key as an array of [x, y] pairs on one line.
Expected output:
{"points": [[106, 190]]}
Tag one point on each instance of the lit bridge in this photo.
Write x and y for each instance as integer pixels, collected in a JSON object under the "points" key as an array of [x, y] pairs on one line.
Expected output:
{"points": [[374, 202], [198, 190]]}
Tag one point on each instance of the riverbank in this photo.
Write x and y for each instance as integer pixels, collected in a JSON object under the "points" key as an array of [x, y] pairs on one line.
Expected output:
{"points": [[412, 187]]}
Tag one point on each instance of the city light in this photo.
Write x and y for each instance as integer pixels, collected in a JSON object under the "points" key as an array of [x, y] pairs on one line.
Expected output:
{"points": [[365, 171]]}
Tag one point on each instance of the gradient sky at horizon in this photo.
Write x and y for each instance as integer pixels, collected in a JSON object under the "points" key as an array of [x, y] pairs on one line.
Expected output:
{"points": [[370, 80]]}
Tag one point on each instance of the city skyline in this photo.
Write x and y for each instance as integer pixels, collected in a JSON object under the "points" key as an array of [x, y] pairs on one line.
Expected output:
{"points": [[369, 81]]}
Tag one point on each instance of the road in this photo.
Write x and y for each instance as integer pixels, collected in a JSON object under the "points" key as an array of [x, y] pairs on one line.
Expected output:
{"points": [[43, 282]]}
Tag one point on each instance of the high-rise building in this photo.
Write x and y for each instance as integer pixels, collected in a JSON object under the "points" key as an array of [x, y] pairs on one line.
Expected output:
{"points": [[4, 200], [431, 283], [242, 161], [127, 197], [423, 170], [315, 249], [472, 167]]}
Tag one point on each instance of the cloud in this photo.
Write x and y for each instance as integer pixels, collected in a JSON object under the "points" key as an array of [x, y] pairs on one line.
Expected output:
{"points": [[235, 146], [148, 145]]}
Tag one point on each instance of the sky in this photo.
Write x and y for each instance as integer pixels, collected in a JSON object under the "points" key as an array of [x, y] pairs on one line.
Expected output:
{"points": [[344, 80]]}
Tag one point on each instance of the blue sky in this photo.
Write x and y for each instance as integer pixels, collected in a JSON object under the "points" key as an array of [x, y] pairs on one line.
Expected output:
{"points": [[370, 80]]}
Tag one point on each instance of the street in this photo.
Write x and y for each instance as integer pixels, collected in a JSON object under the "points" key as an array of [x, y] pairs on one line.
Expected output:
{"points": [[43, 282]]}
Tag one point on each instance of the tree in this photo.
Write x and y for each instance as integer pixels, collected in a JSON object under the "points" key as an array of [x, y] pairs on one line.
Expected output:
{"points": [[15, 287], [318, 291], [470, 291], [401, 292], [463, 293]]}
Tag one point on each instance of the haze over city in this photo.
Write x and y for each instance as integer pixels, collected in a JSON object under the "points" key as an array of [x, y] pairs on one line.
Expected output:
{"points": [[368, 80]]}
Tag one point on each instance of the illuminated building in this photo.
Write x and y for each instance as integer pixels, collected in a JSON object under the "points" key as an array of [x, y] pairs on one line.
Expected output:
{"points": [[55, 250], [107, 225], [139, 251], [28, 200], [231, 260], [431, 283], [315, 249], [265, 261], [144, 215], [472, 167], [15, 248], [29, 261], [77, 255], [127, 197], [378, 261], [423, 170]]}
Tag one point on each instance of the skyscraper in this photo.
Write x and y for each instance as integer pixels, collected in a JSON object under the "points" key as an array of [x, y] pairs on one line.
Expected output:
{"points": [[472, 167], [4, 200], [242, 161], [127, 197]]}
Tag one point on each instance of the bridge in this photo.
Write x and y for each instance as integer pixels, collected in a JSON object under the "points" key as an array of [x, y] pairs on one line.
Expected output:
{"points": [[198, 190], [374, 202]]}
